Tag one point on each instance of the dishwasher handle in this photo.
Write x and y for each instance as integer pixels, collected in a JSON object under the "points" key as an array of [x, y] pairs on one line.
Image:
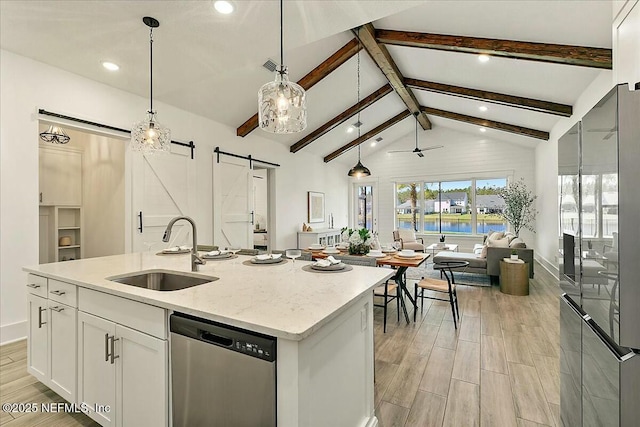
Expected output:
{"points": [[215, 339]]}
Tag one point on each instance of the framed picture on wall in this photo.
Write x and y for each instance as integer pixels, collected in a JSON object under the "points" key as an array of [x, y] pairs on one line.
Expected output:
{"points": [[315, 206]]}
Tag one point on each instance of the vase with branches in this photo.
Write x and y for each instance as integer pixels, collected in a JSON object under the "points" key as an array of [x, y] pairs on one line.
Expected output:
{"points": [[519, 206]]}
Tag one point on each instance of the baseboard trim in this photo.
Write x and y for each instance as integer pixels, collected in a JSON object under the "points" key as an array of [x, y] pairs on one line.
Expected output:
{"points": [[548, 265], [13, 332]]}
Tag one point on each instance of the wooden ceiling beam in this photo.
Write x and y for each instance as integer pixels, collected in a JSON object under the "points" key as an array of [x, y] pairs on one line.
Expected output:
{"points": [[543, 52], [493, 97], [380, 55], [314, 76], [373, 132], [518, 130], [341, 118]]}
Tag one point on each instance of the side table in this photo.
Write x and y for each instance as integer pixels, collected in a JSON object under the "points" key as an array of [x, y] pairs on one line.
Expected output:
{"points": [[514, 278]]}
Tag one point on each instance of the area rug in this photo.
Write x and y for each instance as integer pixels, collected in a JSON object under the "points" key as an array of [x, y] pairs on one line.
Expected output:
{"points": [[461, 278]]}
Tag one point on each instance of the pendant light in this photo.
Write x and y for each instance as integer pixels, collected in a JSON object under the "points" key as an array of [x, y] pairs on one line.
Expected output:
{"points": [[149, 136], [55, 135], [282, 105], [359, 170]]}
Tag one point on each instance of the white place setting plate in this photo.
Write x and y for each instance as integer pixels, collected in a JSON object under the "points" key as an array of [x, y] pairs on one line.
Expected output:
{"points": [[376, 255], [330, 251], [316, 248]]}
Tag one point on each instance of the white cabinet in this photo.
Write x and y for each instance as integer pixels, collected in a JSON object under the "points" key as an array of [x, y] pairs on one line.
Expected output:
{"points": [[96, 367], [626, 44], [119, 366], [326, 236], [38, 338], [60, 176], [62, 349], [141, 379], [51, 344]]}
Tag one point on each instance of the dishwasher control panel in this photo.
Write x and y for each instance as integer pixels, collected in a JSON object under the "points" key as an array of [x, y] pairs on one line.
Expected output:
{"points": [[235, 339], [254, 349]]}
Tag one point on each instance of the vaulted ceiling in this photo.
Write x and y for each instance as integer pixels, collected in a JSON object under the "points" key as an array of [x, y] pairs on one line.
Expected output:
{"points": [[211, 64]]}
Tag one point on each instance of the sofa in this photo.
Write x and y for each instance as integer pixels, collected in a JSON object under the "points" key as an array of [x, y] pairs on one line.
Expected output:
{"points": [[485, 258]]}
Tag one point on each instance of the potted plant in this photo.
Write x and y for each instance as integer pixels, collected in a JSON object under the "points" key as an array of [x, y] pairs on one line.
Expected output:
{"points": [[519, 206], [514, 254], [359, 241]]}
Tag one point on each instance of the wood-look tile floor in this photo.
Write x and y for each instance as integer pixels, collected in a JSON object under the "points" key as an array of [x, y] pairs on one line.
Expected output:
{"points": [[500, 368]]}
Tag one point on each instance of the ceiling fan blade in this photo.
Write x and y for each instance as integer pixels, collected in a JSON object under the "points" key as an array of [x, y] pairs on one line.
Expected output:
{"points": [[433, 147], [400, 151]]}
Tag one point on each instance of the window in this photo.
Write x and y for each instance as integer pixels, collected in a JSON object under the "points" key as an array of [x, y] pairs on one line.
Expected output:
{"points": [[448, 206], [489, 205], [364, 207]]}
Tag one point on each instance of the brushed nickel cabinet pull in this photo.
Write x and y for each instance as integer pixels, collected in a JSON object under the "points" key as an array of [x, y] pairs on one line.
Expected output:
{"points": [[57, 308], [59, 293], [106, 347], [33, 285], [40, 322], [113, 349]]}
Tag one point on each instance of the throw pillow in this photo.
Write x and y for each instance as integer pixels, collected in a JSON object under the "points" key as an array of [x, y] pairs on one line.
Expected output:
{"points": [[510, 236], [499, 243], [496, 235], [483, 252], [517, 243]]}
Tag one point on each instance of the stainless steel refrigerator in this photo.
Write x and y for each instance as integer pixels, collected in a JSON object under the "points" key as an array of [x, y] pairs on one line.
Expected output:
{"points": [[599, 213]]}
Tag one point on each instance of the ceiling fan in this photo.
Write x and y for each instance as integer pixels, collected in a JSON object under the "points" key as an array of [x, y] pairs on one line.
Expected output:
{"points": [[417, 150]]}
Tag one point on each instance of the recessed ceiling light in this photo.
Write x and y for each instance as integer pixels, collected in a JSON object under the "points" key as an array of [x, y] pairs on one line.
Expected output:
{"points": [[110, 66], [483, 129], [373, 143], [483, 57], [223, 7], [350, 129], [482, 108]]}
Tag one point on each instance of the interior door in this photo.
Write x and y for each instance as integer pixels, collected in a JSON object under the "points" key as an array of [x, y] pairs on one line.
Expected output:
{"points": [[366, 215], [163, 187], [233, 194]]}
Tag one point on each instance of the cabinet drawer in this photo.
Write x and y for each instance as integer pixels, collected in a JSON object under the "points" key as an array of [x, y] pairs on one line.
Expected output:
{"points": [[63, 292], [37, 285], [136, 315]]}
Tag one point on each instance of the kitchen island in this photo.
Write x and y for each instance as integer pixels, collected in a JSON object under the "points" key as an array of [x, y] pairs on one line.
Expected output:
{"points": [[323, 323]]}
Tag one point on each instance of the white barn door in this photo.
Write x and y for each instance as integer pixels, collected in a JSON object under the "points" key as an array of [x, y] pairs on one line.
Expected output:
{"points": [[163, 187], [232, 201]]}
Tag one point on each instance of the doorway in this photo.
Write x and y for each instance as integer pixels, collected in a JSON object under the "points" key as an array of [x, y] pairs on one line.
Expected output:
{"points": [[82, 196], [365, 215]]}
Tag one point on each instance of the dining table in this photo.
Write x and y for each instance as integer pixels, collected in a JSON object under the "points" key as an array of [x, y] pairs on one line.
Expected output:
{"points": [[400, 263]]}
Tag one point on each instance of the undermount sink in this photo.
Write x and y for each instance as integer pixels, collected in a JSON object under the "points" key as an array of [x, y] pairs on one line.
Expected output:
{"points": [[163, 280]]}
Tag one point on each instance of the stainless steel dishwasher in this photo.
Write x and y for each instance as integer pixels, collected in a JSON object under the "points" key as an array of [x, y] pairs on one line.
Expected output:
{"points": [[221, 376]]}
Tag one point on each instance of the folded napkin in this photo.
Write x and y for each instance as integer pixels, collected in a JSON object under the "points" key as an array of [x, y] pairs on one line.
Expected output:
{"points": [[332, 260], [175, 249], [213, 253], [264, 257]]}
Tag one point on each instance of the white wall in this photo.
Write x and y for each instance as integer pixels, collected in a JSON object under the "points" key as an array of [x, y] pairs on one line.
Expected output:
{"points": [[27, 85], [464, 156]]}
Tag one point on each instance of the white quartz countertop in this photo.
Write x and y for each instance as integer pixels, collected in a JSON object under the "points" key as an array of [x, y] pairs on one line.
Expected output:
{"points": [[277, 300]]}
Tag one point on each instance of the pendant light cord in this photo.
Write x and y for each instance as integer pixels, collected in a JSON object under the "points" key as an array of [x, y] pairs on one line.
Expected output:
{"points": [[359, 98], [281, 36], [151, 70]]}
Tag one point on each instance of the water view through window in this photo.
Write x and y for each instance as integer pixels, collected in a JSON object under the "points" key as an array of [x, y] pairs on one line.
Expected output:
{"points": [[448, 206]]}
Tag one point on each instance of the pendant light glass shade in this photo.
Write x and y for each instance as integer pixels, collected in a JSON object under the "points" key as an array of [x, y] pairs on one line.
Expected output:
{"points": [[148, 136], [55, 135], [282, 105]]}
